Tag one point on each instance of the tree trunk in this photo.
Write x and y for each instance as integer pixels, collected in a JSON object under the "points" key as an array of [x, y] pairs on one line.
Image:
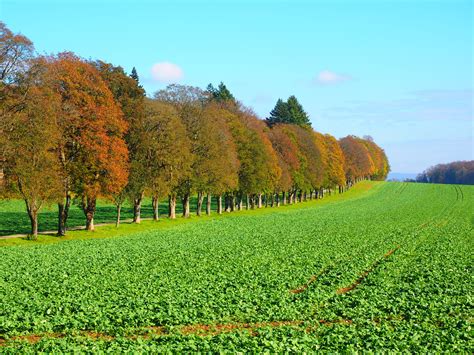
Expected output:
{"points": [[322, 193], [119, 208], [252, 202], [259, 200], [227, 203], [88, 206], [240, 202], [63, 213], [33, 214], [247, 201], [155, 203], [284, 197], [219, 204], [137, 207], [232, 203], [208, 204], [199, 203], [185, 201], [172, 207]]}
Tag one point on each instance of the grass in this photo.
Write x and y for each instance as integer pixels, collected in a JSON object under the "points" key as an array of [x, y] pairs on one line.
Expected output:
{"points": [[105, 214], [14, 219]]}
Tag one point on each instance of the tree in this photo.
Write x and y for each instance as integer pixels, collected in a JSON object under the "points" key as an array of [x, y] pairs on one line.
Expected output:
{"points": [[287, 152], [290, 111], [335, 163], [167, 153], [458, 172], [259, 170], [92, 153], [297, 115], [311, 156], [189, 102], [221, 93], [130, 96], [377, 154], [15, 52], [218, 172], [134, 75], [358, 163], [30, 147], [279, 114]]}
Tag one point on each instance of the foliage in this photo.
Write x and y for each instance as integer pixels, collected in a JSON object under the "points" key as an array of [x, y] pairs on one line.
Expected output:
{"points": [[221, 93], [290, 111], [458, 172], [105, 295]]}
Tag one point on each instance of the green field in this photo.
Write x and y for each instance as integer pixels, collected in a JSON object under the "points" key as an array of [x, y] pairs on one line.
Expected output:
{"points": [[14, 219], [386, 266]]}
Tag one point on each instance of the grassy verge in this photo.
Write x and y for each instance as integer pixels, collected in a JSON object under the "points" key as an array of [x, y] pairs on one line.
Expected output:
{"points": [[362, 189]]}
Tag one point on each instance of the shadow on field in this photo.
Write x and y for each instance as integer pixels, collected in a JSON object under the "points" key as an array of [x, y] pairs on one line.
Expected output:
{"points": [[14, 219]]}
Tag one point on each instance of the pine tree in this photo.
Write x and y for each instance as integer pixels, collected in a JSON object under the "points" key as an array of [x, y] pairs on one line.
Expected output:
{"points": [[224, 93], [280, 114], [221, 93], [134, 75], [297, 115]]}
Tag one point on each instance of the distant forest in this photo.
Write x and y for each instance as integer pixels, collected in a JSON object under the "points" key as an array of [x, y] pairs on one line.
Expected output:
{"points": [[458, 172]]}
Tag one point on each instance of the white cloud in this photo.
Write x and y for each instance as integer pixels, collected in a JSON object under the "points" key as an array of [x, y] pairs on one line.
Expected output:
{"points": [[326, 77], [166, 72]]}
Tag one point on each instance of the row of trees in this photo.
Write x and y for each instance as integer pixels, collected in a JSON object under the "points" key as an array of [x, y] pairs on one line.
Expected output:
{"points": [[458, 172], [74, 130]]}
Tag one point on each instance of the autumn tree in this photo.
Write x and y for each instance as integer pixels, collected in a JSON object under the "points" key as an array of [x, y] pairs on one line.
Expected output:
{"points": [[458, 172], [130, 96], [311, 161], [358, 163], [189, 102], [377, 154], [166, 153], [287, 152], [92, 153], [30, 144], [218, 171], [16, 52], [259, 170], [335, 163]]}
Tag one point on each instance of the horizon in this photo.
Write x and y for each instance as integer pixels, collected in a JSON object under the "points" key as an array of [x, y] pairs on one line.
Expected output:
{"points": [[398, 71]]}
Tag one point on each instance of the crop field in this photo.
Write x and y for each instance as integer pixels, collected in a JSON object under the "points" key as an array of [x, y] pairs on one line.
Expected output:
{"points": [[386, 266]]}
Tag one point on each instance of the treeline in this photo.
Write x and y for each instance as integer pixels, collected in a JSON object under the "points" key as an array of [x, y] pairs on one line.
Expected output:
{"points": [[458, 172], [74, 130]]}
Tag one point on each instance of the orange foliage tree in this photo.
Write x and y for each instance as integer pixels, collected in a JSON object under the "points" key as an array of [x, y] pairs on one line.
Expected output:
{"points": [[92, 152]]}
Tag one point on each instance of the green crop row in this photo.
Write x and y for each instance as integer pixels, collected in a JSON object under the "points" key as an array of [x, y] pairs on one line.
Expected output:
{"points": [[389, 271]]}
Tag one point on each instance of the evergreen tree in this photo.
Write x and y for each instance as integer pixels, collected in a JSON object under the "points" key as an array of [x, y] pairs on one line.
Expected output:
{"points": [[134, 75], [211, 90], [280, 114], [224, 94], [221, 93], [297, 115]]}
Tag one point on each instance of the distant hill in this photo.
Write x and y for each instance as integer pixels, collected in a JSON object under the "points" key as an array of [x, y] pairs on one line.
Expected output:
{"points": [[401, 176]]}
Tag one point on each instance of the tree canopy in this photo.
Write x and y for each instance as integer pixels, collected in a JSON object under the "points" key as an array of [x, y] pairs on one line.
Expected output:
{"points": [[290, 111], [76, 130]]}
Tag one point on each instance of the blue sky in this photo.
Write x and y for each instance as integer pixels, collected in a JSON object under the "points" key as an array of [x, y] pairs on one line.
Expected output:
{"points": [[400, 71]]}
